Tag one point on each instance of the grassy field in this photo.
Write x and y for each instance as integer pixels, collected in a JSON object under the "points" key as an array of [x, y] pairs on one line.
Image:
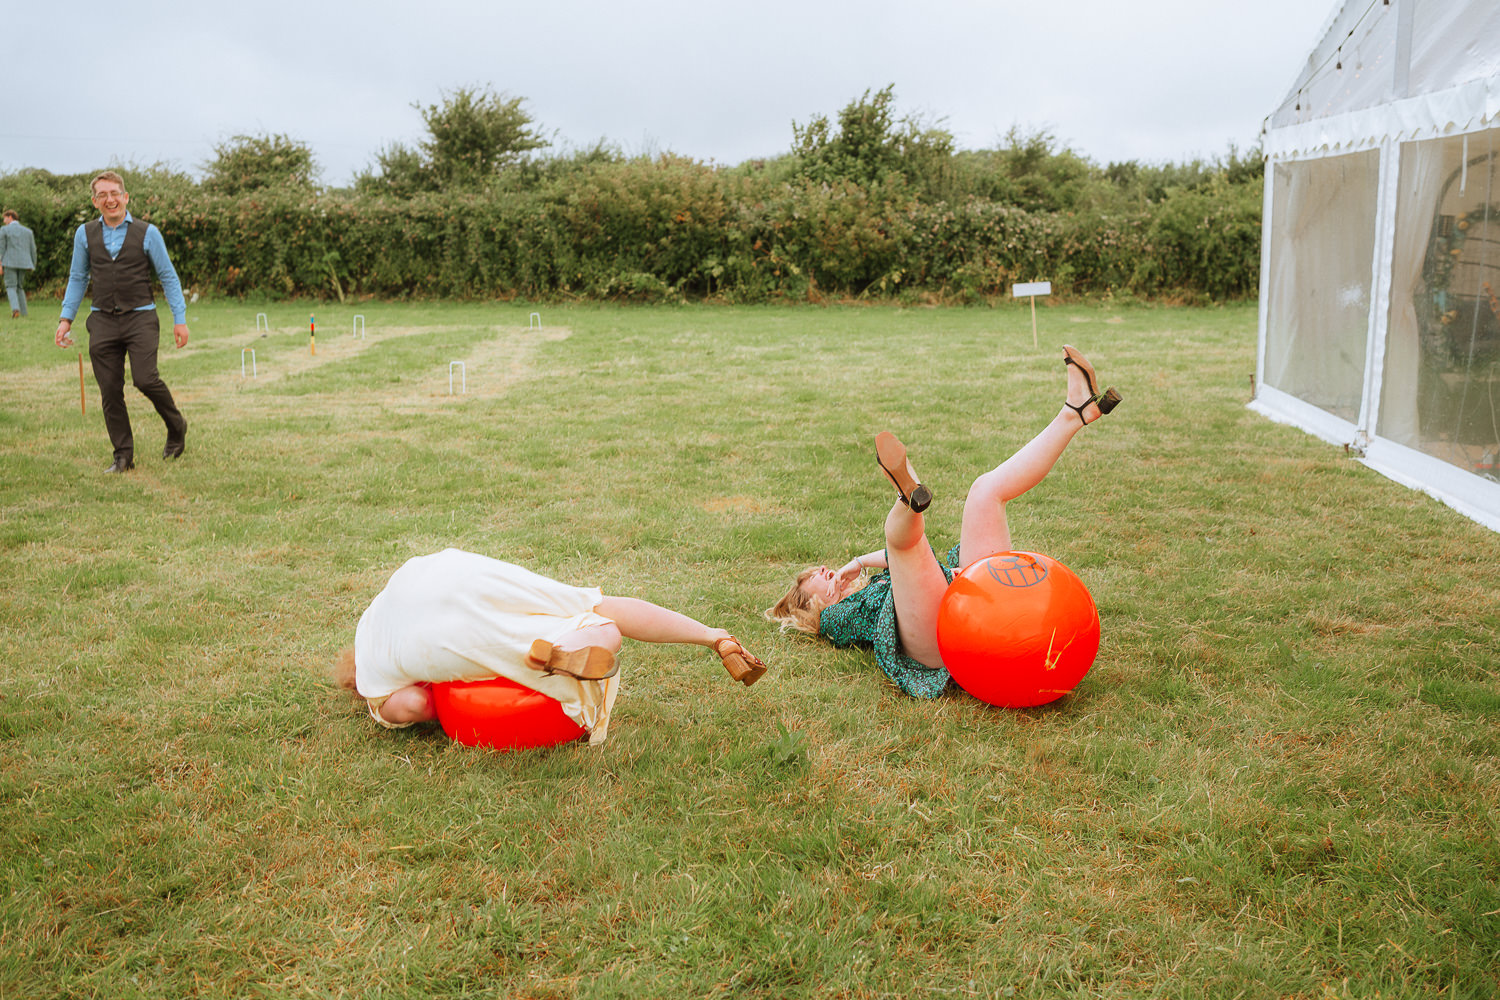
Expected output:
{"points": [[1280, 779]]}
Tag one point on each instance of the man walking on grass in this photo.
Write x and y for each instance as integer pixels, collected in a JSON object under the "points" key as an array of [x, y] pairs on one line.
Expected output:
{"points": [[117, 253], [17, 256]]}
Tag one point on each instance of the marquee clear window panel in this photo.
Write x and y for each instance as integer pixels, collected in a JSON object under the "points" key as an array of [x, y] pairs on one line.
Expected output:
{"points": [[1321, 259], [1441, 380]]}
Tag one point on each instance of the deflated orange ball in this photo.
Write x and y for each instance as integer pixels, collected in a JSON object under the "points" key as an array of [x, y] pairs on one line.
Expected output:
{"points": [[1017, 629], [501, 713]]}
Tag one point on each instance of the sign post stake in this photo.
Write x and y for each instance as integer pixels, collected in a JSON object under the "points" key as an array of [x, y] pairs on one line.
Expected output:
{"points": [[1032, 289]]}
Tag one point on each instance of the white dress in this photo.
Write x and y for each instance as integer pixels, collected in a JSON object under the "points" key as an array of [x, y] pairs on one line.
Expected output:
{"points": [[458, 616]]}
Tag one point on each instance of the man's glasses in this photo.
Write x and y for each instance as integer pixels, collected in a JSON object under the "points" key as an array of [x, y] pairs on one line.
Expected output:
{"points": [[108, 195]]}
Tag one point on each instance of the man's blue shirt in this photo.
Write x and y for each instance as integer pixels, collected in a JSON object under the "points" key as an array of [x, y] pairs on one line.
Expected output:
{"points": [[114, 238]]}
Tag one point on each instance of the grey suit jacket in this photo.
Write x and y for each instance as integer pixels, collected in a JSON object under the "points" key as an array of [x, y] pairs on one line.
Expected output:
{"points": [[17, 247]]}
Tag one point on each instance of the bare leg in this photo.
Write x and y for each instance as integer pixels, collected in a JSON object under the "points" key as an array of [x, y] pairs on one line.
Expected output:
{"points": [[412, 703], [985, 530], [647, 622], [607, 636], [917, 584], [643, 621]]}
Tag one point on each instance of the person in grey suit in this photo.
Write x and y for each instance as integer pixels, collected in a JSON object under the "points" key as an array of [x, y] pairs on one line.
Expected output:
{"points": [[17, 256]]}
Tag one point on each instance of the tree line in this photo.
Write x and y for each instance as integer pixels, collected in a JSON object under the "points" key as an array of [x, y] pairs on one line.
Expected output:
{"points": [[867, 203]]}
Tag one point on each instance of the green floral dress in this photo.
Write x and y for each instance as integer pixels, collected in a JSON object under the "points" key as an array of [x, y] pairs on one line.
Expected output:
{"points": [[869, 616]]}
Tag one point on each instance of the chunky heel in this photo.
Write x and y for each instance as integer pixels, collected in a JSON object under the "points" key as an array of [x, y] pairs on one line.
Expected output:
{"points": [[591, 663], [742, 664], [890, 453], [1106, 400]]}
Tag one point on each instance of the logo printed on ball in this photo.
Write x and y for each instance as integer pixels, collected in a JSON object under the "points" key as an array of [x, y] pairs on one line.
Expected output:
{"points": [[1014, 570]]}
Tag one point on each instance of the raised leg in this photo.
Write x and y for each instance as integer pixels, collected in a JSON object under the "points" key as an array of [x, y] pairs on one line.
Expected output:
{"points": [[917, 583], [985, 530]]}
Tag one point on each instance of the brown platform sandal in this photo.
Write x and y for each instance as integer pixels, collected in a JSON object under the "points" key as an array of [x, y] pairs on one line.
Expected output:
{"points": [[891, 454], [1106, 401], [591, 663], [742, 664]]}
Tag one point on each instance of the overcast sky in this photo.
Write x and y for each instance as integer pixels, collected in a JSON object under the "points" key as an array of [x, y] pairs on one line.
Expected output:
{"points": [[93, 83]]}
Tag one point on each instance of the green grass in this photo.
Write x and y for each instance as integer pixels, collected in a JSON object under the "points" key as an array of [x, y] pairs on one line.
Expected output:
{"points": [[1280, 779]]}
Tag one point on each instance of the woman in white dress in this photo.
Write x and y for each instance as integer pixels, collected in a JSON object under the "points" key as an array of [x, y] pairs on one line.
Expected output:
{"points": [[458, 616]]}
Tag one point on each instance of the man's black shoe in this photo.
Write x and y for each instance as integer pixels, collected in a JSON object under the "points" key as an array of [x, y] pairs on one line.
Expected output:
{"points": [[175, 443]]}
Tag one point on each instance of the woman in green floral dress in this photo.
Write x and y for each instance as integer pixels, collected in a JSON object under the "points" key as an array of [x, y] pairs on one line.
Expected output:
{"points": [[896, 610]]}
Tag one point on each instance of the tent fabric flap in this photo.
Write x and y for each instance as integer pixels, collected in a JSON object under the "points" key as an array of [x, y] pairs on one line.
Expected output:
{"points": [[1465, 108]]}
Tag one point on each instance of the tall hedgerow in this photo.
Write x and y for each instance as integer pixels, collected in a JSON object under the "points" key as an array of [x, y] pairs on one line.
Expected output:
{"points": [[874, 204]]}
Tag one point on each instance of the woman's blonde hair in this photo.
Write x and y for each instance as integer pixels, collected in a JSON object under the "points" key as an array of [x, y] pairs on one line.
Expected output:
{"points": [[798, 609], [343, 670]]}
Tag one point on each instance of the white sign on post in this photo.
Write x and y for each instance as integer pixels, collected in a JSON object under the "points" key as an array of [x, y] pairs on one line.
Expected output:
{"points": [[1031, 289]]}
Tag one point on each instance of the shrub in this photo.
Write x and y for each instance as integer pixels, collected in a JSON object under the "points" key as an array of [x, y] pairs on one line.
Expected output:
{"points": [[249, 162], [1205, 241]]}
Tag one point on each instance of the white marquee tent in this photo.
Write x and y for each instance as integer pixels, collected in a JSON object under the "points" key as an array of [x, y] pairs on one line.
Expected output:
{"points": [[1380, 262]]}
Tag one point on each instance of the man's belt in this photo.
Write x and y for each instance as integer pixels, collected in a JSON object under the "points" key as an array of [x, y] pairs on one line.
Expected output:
{"points": [[121, 311]]}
